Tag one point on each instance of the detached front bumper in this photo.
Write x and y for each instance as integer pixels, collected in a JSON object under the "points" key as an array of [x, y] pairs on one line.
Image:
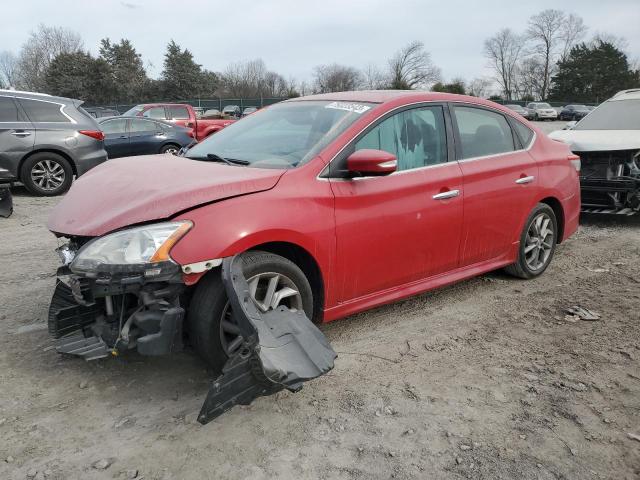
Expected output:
{"points": [[96, 315]]}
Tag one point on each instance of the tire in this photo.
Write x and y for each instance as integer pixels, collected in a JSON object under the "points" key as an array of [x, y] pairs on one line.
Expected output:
{"points": [[536, 117], [47, 174], [209, 304], [171, 148], [527, 265]]}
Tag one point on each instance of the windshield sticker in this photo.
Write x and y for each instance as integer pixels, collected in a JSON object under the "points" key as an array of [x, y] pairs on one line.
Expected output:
{"points": [[349, 107]]}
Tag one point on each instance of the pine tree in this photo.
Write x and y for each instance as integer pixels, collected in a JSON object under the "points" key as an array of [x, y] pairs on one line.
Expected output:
{"points": [[593, 74], [182, 77], [127, 70]]}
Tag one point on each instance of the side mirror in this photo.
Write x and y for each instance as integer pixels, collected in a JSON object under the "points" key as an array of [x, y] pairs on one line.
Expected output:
{"points": [[570, 125], [372, 162]]}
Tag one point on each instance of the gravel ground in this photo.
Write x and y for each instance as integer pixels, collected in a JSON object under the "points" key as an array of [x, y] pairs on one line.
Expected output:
{"points": [[486, 379]]}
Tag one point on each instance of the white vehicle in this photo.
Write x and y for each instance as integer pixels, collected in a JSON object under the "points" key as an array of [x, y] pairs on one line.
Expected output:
{"points": [[542, 111], [608, 143]]}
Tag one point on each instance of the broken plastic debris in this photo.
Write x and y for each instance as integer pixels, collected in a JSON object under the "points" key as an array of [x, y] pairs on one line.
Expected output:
{"points": [[583, 313], [280, 349]]}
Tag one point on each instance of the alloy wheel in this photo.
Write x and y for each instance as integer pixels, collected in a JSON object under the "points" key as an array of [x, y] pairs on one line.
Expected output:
{"points": [[268, 291], [48, 175], [171, 150], [539, 242]]}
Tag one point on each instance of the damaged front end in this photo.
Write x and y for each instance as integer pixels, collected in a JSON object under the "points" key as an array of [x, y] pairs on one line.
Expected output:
{"points": [[122, 292], [610, 181]]}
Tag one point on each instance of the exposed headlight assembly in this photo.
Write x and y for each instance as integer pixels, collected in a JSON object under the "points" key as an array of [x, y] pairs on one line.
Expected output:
{"points": [[131, 250]]}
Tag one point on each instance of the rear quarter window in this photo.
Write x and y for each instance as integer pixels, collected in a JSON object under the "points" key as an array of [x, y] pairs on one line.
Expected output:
{"points": [[524, 133], [40, 111]]}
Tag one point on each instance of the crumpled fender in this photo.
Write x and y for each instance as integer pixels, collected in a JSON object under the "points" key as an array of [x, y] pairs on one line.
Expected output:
{"points": [[281, 349]]}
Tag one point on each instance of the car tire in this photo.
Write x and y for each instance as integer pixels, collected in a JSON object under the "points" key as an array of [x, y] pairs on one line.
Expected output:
{"points": [[536, 117], [171, 148], [47, 174], [209, 307], [537, 244]]}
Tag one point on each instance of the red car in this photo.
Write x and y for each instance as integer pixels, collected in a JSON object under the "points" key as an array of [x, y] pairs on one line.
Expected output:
{"points": [[336, 203], [180, 114]]}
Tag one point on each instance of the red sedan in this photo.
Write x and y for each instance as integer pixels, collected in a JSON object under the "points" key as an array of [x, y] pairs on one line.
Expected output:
{"points": [[337, 203]]}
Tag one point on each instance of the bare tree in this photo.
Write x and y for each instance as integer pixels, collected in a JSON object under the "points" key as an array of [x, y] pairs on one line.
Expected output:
{"points": [[504, 50], [374, 78], [553, 35], [336, 78], [411, 67], [529, 81], [8, 69], [42, 46], [574, 31], [479, 87]]}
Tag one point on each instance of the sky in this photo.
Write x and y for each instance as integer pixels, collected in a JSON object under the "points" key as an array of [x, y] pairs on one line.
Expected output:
{"points": [[292, 37]]}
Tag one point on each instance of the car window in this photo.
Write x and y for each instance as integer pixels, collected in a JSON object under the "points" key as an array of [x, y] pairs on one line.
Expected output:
{"points": [[114, 126], [417, 137], [524, 132], [143, 126], [482, 132], [613, 115], [155, 112], [178, 113], [40, 111], [9, 111]]}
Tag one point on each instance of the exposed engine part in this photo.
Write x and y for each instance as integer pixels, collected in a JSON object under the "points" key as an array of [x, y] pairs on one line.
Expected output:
{"points": [[610, 181], [280, 349], [6, 201]]}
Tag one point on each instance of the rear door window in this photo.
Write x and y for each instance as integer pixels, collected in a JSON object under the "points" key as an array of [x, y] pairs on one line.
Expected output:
{"points": [[482, 132], [417, 137], [155, 112], [178, 112], [143, 126], [9, 111], [41, 111], [114, 126]]}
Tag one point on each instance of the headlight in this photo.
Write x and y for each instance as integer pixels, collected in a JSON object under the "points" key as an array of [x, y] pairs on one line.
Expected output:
{"points": [[124, 250]]}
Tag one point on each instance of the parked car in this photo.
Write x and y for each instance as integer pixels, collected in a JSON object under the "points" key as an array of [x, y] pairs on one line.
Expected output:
{"points": [[574, 112], [45, 141], [520, 110], [101, 112], [128, 136], [317, 208], [249, 111], [232, 111], [542, 111], [608, 143], [180, 114]]}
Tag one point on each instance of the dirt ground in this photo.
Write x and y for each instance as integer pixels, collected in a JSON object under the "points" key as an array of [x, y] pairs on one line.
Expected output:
{"points": [[486, 380]]}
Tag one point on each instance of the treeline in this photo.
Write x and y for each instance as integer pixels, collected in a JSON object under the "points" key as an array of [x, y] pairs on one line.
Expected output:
{"points": [[551, 61]]}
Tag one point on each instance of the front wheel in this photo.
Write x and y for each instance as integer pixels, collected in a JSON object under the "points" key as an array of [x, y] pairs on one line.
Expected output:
{"points": [[47, 174], [171, 149], [273, 281], [537, 243]]}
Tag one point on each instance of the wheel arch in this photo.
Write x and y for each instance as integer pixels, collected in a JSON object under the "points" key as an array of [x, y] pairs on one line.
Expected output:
{"points": [[62, 153], [558, 210], [307, 263]]}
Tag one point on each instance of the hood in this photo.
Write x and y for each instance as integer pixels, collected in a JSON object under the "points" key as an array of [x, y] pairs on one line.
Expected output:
{"points": [[132, 190], [598, 140]]}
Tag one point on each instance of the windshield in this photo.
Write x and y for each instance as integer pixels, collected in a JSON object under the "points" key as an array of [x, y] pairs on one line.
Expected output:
{"points": [[580, 108], [285, 135], [133, 112], [541, 105], [613, 115]]}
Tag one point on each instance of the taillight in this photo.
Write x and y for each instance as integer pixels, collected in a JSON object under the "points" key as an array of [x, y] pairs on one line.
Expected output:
{"points": [[97, 134], [575, 161]]}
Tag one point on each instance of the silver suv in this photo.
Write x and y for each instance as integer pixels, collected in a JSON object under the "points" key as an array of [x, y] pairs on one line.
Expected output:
{"points": [[46, 140]]}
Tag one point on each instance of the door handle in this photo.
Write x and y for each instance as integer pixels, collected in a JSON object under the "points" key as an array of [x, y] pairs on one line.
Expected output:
{"points": [[21, 134], [123, 136], [523, 180], [447, 194]]}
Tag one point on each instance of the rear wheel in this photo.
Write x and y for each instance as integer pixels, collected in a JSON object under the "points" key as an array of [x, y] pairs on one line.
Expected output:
{"points": [[273, 281], [47, 174], [171, 148], [537, 243]]}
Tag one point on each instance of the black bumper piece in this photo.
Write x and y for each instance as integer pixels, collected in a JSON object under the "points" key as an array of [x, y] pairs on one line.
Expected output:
{"points": [[6, 201], [281, 349]]}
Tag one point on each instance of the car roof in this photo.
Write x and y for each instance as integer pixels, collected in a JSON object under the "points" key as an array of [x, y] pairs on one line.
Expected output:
{"points": [[38, 96], [631, 94], [384, 96]]}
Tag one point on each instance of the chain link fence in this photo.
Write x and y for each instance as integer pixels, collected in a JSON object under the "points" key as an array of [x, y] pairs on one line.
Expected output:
{"points": [[206, 104]]}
